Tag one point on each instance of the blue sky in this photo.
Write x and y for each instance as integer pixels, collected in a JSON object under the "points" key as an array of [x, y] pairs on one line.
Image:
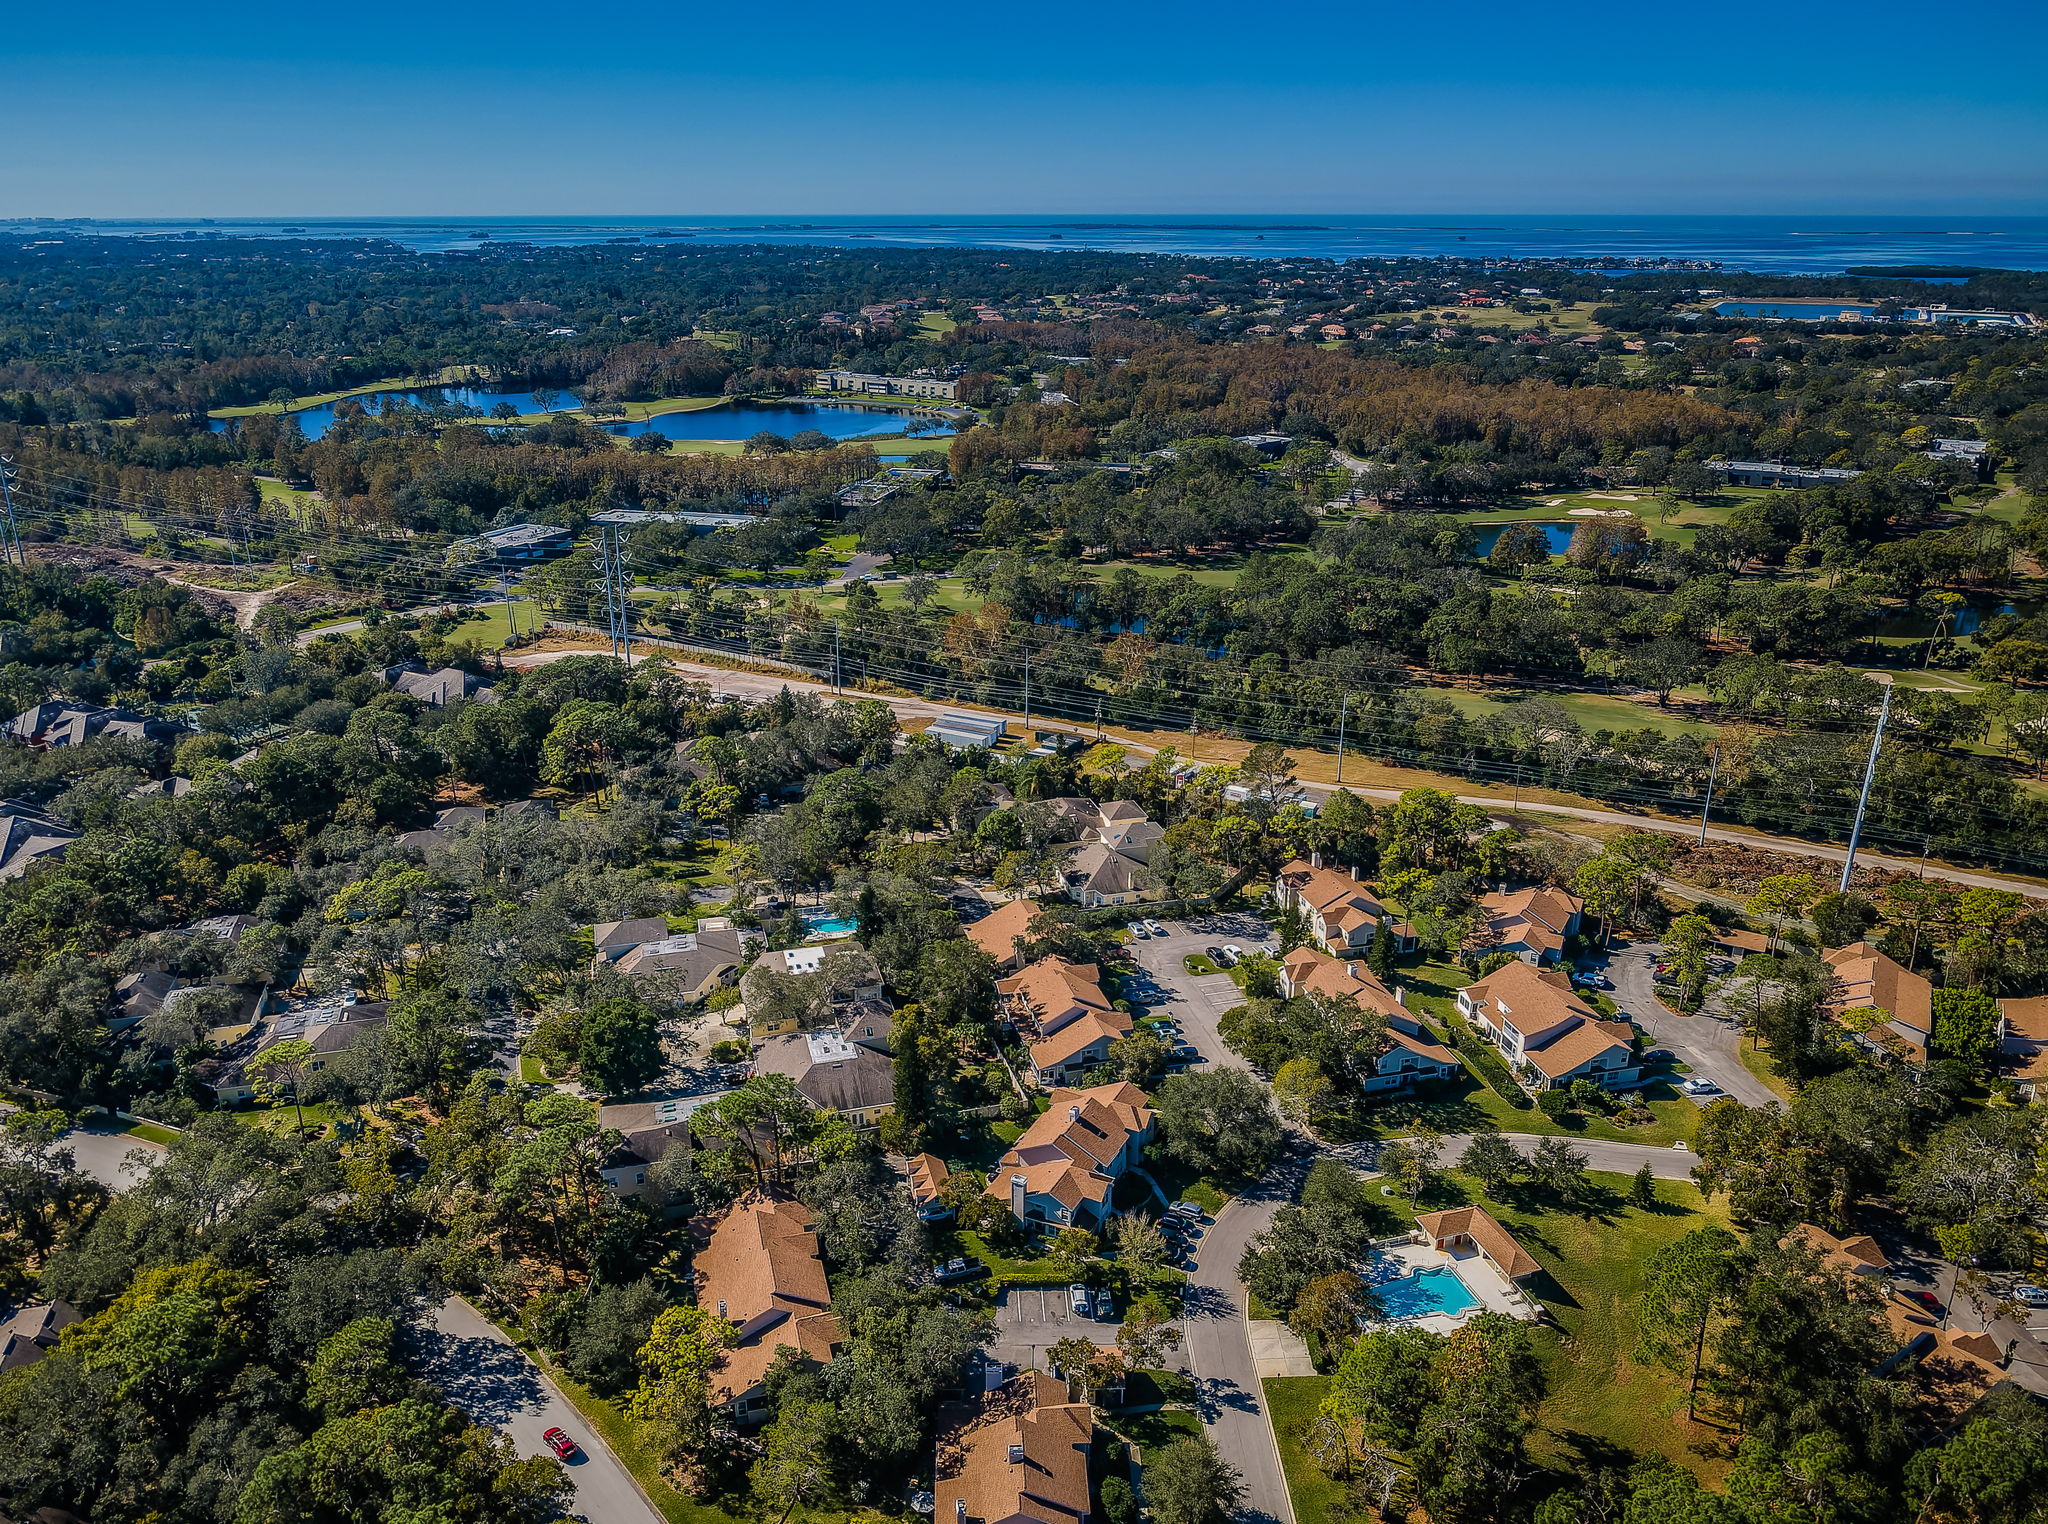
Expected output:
{"points": [[223, 108]]}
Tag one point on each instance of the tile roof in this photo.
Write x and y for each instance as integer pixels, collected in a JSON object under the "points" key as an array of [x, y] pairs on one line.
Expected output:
{"points": [[1332, 895], [1306, 969], [1856, 1255], [1065, 1153], [1018, 1456], [1871, 978], [997, 932], [1573, 1050], [928, 1176], [761, 1272], [1534, 917], [1494, 1241], [1075, 1036], [1052, 991], [1537, 999]]}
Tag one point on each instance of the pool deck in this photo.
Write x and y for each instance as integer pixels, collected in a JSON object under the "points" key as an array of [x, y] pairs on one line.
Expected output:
{"points": [[1494, 1291]]}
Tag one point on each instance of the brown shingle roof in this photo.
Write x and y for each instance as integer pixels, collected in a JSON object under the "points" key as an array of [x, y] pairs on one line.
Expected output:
{"points": [[1063, 1153], [1020, 1454], [1869, 977], [1052, 989], [1493, 1240], [761, 1272], [997, 932]]}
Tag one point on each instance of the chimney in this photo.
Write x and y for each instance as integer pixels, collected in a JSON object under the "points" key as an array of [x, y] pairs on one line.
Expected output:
{"points": [[1017, 1197], [1315, 859], [960, 1509], [1016, 1455], [1355, 877], [721, 1307], [1073, 1113]]}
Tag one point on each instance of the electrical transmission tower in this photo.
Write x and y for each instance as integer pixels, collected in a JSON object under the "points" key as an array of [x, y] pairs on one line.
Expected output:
{"points": [[10, 534], [610, 561]]}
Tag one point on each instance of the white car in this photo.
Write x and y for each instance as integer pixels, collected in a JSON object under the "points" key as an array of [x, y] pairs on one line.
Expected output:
{"points": [[1077, 1298], [1233, 952], [2033, 1296], [1155, 928], [1137, 929], [1691, 1086]]}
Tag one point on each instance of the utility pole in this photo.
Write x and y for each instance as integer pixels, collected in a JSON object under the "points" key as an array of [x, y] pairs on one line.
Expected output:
{"points": [[1343, 714], [836, 680], [1863, 799], [1713, 772], [1098, 721], [10, 532], [1027, 687]]}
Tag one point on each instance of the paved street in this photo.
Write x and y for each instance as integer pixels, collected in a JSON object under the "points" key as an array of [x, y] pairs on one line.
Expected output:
{"points": [[114, 1159], [1916, 1266], [482, 1373], [1666, 1162], [1218, 1351], [1196, 1001], [1707, 1043]]}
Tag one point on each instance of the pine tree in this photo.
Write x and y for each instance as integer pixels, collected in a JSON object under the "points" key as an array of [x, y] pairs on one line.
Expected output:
{"points": [[1380, 956]]}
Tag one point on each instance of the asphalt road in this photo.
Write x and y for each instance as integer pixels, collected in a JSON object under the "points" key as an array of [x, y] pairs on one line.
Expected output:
{"points": [[1196, 1001], [1218, 1351], [114, 1159], [1707, 1043], [1665, 1162], [481, 1372]]}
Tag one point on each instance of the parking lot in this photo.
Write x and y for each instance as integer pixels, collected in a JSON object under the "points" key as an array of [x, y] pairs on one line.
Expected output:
{"points": [[1031, 1319], [1194, 1001]]}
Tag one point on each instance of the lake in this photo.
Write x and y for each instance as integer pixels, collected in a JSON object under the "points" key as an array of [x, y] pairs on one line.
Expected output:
{"points": [[316, 421], [729, 421], [741, 420], [1811, 312], [1557, 536]]}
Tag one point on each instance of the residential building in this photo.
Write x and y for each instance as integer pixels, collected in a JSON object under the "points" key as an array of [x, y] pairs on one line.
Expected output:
{"points": [[614, 939], [1548, 1035], [1413, 1056], [834, 980], [448, 825], [162, 788], [1343, 916], [1473, 1230], [1017, 1455], [1949, 1372], [1072, 1021], [439, 688], [648, 1130], [761, 1272], [834, 1072], [69, 722], [1867, 978], [927, 1177], [999, 932], [27, 836], [1534, 924], [927, 387], [691, 964], [33, 1332], [2023, 1044], [331, 1025], [1097, 874], [1063, 1170]]}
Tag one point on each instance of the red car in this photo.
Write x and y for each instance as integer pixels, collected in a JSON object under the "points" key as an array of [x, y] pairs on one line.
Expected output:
{"points": [[1926, 1299], [560, 1443]]}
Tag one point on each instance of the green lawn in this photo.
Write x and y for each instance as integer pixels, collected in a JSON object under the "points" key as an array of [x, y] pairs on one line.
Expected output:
{"points": [[149, 1132], [1602, 1393], [1291, 1403], [1593, 711], [531, 1072], [493, 627]]}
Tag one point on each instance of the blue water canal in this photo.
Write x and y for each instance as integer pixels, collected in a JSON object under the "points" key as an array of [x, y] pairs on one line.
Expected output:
{"points": [[1557, 536]]}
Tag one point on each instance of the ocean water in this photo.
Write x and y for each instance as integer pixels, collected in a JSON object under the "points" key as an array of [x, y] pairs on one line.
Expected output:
{"points": [[1776, 245]]}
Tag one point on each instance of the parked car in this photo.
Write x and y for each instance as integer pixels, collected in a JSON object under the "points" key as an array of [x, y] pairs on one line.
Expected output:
{"points": [[1698, 1087], [1187, 1055], [1926, 1299], [2031, 1295], [1137, 930], [1187, 1210], [958, 1270], [1214, 955], [1077, 1299], [1232, 952], [560, 1443], [1155, 928], [1105, 1304], [1660, 1056]]}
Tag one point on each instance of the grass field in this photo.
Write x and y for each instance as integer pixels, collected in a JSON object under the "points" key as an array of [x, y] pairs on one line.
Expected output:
{"points": [[1594, 711], [493, 627], [1602, 1394], [149, 1132]]}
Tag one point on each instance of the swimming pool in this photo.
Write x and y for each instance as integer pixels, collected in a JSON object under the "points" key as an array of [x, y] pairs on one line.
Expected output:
{"points": [[1423, 1292], [829, 925]]}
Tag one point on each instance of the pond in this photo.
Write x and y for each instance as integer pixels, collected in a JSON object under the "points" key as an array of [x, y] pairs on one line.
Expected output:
{"points": [[741, 420], [1558, 536], [316, 421]]}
